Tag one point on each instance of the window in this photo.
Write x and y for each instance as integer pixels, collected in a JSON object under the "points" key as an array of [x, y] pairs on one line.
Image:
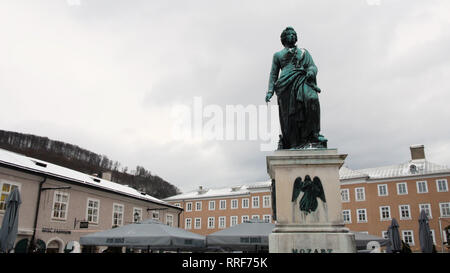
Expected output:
{"points": [[169, 220], [441, 185], [360, 194], [245, 203], [405, 213], [346, 216], [362, 215], [198, 206], [188, 223], [384, 234], [402, 188], [117, 215], [178, 205], [426, 208], [234, 204], [385, 213], [345, 195], [212, 205], [267, 218], [266, 201], [6, 189], [255, 217], [422, 186], [138, 213], [223, 204], [92, 211], [211, 222], [198, 223], [445, 209], [408, 237], [233, 220], [155, 215], [189, 206], [60, 205], [255, 202], [382, 190], [244, 218], [222, 222], [433, 236]]}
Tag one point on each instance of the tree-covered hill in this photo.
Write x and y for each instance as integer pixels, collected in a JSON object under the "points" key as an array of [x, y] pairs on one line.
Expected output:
{"points": [[74, 157]]}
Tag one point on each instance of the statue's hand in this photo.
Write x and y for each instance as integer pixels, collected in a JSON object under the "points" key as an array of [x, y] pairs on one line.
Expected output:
{"points": [[269, 96]]}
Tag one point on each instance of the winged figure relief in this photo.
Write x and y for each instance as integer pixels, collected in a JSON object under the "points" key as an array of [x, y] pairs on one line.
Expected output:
{"points": [[312, 190]]}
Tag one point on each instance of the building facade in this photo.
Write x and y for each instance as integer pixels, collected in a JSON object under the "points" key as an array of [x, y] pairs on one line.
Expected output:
{"points": [[206, 211], [59, 205], [372, 197]]}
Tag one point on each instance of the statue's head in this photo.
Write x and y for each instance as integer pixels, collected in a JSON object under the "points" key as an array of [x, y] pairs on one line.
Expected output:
{"points": [[288, 37]]}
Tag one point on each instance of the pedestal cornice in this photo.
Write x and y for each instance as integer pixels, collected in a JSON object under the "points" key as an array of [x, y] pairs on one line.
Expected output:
{"points": [[285, 158]]}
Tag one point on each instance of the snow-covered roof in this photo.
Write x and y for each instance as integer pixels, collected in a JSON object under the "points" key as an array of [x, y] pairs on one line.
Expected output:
{"points": [[46, 168], [346, 173], [411, 168], [202, 193]]}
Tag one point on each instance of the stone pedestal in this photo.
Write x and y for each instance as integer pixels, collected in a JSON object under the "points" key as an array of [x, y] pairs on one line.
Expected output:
{"points": [[321, 230]]}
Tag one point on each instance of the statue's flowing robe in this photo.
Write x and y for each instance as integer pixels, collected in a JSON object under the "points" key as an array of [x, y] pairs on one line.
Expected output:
{"points": [[298, 102]]}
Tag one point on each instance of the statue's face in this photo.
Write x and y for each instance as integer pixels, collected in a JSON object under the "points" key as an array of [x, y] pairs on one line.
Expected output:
{"points": [[291, 38]]}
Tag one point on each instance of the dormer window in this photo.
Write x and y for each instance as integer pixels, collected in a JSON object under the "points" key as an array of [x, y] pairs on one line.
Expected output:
{"points": [[96, 179], [201, 190], [40, 164], [235, 188], [413, 168]]}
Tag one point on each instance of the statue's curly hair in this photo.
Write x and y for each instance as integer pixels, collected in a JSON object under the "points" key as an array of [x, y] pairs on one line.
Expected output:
{"points": [[284, 33]]}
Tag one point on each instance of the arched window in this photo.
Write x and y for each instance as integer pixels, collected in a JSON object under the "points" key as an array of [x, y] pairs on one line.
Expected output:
{"points": [[55, 245]]}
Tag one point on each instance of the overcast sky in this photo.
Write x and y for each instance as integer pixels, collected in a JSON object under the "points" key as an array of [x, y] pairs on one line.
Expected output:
{"points": [[106, 75]]}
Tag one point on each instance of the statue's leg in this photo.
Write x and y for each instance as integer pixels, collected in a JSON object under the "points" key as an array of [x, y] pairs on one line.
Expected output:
{"points": [[312, 106], [283, 113]]}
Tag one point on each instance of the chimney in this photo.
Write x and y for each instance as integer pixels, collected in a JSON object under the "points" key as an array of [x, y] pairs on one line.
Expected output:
{"points": [[417, 151], [107, 175]]}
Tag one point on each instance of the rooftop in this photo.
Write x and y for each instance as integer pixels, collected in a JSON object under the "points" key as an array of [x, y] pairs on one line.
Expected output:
{"points": [[201, 192], [410, 168], [45, 168]]}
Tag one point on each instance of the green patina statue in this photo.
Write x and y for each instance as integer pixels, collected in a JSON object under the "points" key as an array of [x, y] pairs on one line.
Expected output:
{"points": [[312, 190], [297, 94]]}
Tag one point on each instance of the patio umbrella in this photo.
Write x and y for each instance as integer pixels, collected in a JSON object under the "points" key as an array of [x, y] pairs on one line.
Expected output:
{"points": [[394, 238], [249, 236], [10, 224], [426, 241], [149, 234]]}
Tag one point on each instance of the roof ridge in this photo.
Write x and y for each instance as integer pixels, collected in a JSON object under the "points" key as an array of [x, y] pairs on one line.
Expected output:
{"points": [[22, 161]]}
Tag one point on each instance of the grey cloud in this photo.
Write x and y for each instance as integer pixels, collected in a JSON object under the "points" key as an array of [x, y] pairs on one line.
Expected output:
{"points": [[148, 55]]}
